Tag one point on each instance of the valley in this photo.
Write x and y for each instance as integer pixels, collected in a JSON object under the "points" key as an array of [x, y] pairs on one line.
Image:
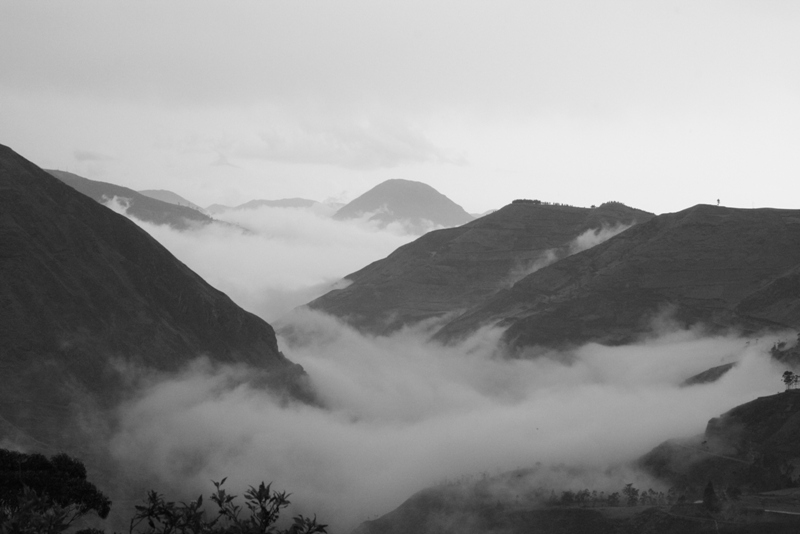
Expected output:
{"points": [[505, 374]]}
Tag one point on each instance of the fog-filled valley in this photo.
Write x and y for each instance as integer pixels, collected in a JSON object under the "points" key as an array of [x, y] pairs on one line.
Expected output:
{"points": [[127, 352], [400, 413], [426, 267]]}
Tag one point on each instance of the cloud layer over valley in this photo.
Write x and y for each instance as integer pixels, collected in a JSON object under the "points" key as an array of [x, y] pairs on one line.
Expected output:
{"points": [[270, 260], [401, 413]]}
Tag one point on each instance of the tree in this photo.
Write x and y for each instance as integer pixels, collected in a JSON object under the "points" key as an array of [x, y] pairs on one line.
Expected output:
{"points": [[631, 495], [158, 516], [710, 499], [790, 379], [45, 496]]}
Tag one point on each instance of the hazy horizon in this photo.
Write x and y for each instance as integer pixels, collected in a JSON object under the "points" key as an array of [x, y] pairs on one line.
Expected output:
{"points": [[658, 105]]}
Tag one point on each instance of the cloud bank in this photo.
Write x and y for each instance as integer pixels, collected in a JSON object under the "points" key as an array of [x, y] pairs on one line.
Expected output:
{"points": [[402, 414]]}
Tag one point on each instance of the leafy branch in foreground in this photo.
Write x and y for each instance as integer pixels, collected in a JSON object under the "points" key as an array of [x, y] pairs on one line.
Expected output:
{"points": [[158, 516]]}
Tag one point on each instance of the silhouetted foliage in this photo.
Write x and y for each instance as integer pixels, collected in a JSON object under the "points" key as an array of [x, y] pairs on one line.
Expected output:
{"points": [[790, 379], [45, 496], [158, 516]]}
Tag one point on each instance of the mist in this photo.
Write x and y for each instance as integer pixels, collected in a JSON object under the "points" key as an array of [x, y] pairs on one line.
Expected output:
{"points": [[401, 413], [588, 239], [271, 260]]}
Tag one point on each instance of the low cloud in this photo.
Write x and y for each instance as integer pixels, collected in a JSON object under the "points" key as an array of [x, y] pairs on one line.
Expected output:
{"points": [[588, 239], [594, 237], [402, 414], [270, 260]]}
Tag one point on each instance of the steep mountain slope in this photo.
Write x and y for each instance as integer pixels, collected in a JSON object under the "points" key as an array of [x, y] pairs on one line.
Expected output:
{"points": [[86, 296], [754, 447], [450, 270], [416, 205], [169, 197], [722, 267], [140, 206]]}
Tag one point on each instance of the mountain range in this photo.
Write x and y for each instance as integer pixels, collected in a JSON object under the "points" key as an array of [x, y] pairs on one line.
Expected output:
{"points": [[521, 269], [89, 302]]}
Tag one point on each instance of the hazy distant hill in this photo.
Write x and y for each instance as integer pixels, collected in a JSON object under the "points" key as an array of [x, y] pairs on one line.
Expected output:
{"points": [[172, 198], [141, 206], [454, 269], [86, 296], [416, 205], [718, 266], [255, 204]]}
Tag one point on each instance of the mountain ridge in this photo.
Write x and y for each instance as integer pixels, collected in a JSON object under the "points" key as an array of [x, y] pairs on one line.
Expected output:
{"points": [[141, 206], [84, 293], [449, 270], [721, 267]]}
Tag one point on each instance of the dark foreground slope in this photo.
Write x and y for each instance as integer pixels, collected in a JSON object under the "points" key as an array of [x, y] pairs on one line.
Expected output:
{"points": [[86, 295], [416, 205], [450, 270], [143, 207], [721, 267]]}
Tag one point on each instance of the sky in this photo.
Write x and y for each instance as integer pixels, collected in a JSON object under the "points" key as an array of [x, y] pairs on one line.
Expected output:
{"points": [[660, 105]]}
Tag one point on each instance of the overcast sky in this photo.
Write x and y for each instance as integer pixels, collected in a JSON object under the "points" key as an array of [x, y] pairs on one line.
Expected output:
{"points": [[660, 105]]}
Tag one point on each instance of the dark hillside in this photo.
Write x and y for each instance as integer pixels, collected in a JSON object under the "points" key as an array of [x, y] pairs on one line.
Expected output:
{"points": [[85, 294], [448, 271], [721, 267]]}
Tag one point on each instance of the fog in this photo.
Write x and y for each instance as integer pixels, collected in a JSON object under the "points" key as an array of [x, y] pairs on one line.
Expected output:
{"points": [[588, 239], [400, 413], [271, 260]]}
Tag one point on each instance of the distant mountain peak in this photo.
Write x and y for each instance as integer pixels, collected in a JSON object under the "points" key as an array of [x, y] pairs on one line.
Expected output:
{"points": [[416, 205]]}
